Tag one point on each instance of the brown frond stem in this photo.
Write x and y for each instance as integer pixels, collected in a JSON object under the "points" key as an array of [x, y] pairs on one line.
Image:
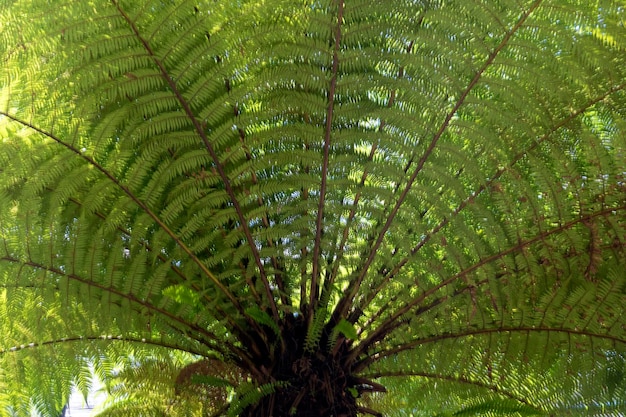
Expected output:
{"points": [[194, 328], [363, 179], [459, 379], [469, 200], [218, 165], [103, 338], [383, 328], [174, 269], [139, 203], [319, 223], [355, 284], [375, 357], [279, 270]]}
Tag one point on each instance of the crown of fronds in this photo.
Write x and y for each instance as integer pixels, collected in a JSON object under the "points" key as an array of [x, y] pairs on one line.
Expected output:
{"points": [[439, 185]]}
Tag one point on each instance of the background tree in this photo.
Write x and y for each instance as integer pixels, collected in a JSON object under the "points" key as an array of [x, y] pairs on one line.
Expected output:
{"points": [[314, 202]]}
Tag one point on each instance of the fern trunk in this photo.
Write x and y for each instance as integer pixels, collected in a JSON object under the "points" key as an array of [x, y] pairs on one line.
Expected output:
{"points": [[301, 380]]}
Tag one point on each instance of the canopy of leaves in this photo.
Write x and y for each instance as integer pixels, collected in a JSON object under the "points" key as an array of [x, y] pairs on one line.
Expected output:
{"points": [[311, 201]]}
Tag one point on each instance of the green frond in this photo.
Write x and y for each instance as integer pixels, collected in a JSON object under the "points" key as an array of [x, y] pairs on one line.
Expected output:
{"points": [[248, 394]]}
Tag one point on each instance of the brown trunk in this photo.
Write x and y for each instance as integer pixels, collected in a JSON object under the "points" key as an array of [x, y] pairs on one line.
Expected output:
{"points": [[319, 383]]}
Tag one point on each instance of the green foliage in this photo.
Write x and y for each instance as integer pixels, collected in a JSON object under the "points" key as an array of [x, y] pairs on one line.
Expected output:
{"points": [[248, 394], [347, 329], [297, 204], [315, 330], [152, 380], [261, 317]]}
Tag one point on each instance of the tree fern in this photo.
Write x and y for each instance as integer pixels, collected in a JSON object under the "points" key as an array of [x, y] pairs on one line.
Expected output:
{"points": [[314, 208]]}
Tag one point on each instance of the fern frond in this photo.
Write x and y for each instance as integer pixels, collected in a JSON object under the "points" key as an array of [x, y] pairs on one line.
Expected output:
{"points": [[249, 394]]}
